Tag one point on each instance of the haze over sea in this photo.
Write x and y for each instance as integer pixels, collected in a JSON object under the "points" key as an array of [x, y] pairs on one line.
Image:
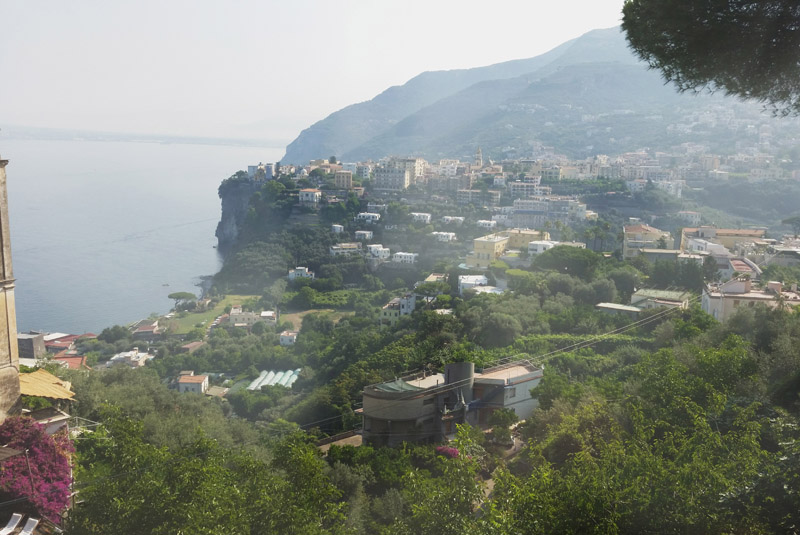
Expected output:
{"points": [[103, 231]]}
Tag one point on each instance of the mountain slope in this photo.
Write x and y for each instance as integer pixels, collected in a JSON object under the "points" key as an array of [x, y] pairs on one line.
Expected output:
{"points": [[574, 108], [356, 124], [588, 96]]}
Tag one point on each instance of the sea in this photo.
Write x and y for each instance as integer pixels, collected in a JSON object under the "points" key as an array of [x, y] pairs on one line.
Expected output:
{"points": [[103, 231]]}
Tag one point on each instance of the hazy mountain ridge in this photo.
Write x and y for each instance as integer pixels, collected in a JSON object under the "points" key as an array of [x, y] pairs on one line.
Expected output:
{"points": [[590, 95], [354, 125]]}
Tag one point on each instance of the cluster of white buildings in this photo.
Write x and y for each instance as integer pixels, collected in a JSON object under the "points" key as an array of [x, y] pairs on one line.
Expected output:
{"points": [[724, 299], [133, 358]]}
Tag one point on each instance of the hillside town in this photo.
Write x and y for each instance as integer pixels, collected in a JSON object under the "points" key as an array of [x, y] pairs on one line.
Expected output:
{"points": [[482, 215], [554, 294]]}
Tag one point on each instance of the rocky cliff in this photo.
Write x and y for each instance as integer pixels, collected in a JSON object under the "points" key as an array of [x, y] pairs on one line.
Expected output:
{"points": [[235, 194]]}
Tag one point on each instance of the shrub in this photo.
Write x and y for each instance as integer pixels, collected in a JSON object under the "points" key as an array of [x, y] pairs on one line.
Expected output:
{"points": [[48, 457]]}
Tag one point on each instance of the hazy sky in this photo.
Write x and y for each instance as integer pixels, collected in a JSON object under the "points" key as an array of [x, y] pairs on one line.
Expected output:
{"points": [[263, 69]]}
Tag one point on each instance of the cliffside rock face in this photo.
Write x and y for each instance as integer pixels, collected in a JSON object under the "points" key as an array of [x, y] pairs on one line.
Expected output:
{"points": [[235, 198]]}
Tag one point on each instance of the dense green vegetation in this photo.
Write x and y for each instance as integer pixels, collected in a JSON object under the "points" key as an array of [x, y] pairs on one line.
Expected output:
{"points": [[767, 204], [698, 436]]}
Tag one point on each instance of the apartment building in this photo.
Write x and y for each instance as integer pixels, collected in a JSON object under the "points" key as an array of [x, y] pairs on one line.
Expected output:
{"points": [[343, 179], [723, 300], [641, 236]]}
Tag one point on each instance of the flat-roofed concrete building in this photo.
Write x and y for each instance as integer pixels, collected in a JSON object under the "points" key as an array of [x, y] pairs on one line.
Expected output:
{"points": [[346, 248], [641, 236], [300, 272], [653, 298], [398, 307], [427, 407], [486, 249], [723, 300], [391, 179], [343, 179]]}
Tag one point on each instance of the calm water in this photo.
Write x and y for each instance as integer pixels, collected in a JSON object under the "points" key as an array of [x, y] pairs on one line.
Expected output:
{"points": [[102, 231]]}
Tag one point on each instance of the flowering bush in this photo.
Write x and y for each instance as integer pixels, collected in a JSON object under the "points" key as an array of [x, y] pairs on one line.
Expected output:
{"points": [[49, 466], [447, 451]]}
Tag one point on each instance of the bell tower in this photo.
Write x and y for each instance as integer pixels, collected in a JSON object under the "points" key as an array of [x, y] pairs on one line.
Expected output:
{"points": [[479, 158], [9, 357]]}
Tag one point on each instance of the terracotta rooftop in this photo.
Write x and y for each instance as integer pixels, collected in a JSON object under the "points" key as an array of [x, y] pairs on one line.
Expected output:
{"points": [[755, 233], [76, 362], [192, 378], [641, 227]]}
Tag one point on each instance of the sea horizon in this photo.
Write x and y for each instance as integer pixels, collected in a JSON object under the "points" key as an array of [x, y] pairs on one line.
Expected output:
{"points": [[103, 231]]}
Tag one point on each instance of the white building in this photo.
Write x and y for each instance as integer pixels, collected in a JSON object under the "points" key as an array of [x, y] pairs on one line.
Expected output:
{"points": [[378, 251], [540, 246], [465, 282], [484, 223], [310, 196], [503, 220], [197, 384], [722, 300], [300, 273], [246, 319], [376, 207], [444, 236], [391, 179], [693, 218], [458, 220], [393, 416], [700, 245], [364, 234], [397, 307], [337, 229], [404, 258], [368, 217], [288, 338], [132, 358], [421, 217]]}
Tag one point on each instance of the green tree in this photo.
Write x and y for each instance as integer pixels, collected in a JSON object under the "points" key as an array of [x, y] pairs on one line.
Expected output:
{"points": [[690, 276], [181, 296], [113, 334], [500, 421], [442, 505], [664, 273], [743, 48], [709, 269], [569, 260], [793, 222]]}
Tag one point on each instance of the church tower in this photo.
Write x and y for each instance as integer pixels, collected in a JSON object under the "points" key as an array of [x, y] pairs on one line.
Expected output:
{"points": [[9, 357], [479, 159]]}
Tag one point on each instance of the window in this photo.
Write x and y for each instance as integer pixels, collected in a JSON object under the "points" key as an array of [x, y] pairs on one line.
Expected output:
{"points": [[512, 392]]}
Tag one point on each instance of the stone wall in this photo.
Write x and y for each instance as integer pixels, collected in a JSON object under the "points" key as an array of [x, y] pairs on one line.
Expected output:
{"points": [[9, 358]]}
